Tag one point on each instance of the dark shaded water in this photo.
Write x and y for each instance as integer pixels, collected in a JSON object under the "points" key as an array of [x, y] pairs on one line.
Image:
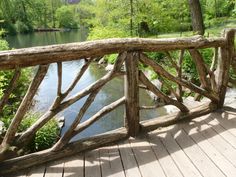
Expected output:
{"points": [[111, 92], [46, 38]]}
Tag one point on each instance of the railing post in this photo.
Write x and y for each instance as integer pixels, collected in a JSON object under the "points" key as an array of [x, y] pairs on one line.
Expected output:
{"points": [[132, 93], [224, 61]]}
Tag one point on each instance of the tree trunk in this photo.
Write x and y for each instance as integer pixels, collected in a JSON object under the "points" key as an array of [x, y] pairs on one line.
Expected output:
{"points": [[131, 17], [196, 14]]}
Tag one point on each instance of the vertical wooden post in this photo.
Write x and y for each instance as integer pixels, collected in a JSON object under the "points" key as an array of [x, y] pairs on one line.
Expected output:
{"points": [[223, 67], [132, 93]]}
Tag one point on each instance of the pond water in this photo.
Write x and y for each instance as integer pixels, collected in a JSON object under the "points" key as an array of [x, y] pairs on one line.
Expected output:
{"points": [[109, 93]]}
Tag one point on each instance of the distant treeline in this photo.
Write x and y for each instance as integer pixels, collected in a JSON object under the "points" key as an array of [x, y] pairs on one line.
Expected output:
{"points": [[108, 18]]}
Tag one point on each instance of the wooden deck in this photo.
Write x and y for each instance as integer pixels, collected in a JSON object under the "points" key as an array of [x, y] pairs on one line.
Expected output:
{"points": [[205, 146]]}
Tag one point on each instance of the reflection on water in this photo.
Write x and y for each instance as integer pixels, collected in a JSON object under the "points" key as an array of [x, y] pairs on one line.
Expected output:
{"points": [[109, 93]]}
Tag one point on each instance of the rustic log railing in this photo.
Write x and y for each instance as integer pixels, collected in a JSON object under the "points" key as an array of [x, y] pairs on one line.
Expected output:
{"points": [[132, 53]]}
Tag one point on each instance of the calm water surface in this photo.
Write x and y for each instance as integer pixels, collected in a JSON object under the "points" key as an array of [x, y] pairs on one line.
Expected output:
{"points": [[110, 92]]}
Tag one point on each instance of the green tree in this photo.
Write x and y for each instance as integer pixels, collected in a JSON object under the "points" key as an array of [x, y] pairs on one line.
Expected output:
{"points": [[65, 17]]}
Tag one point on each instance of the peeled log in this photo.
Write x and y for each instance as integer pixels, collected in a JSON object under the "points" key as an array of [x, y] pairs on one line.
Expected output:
{"points": [[74, 51]]}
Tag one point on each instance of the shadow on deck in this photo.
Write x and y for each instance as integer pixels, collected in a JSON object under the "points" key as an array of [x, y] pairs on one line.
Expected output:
{"points": [[205, 146]]}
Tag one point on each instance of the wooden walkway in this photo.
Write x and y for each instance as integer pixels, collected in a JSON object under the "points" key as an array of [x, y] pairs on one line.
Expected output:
{"points": [[205, 146]]}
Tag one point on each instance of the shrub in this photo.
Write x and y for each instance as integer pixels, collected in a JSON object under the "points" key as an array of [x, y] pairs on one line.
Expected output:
{"points": [[111, 58], [22, 27], [10, 28], [156, 56], [3, 45], [104, 33], [45, 137]]}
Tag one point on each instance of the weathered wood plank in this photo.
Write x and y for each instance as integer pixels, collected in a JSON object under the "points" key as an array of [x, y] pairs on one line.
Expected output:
{"points": [[214, 120], [74, 166], [110, 160], [228, 124], [164, 157], [54, 169], [217, 141], [67, 52], [92, 164], [222, 163], [146, 159], [182, 161], [128, 160], [18, 174], [197, 156], [37, 171]]}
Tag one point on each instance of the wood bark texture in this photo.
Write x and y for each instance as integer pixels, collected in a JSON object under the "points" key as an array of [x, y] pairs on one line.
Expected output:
{"points": [[132, 93], [197, 17], [92, 49]]}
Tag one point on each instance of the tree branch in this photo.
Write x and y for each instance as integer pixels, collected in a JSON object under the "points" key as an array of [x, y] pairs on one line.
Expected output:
{"points": [[59, 75], [161, 95], [69, 133], [201, 68], [161, 71], [173, 63], [98, 115]]}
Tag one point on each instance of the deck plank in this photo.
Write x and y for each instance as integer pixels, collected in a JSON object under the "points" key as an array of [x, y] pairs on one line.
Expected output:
{"points": [[182, 161], [164, 157], [37, 171], [74, 166], [197, 156], [110, 160], [148, 164], [226, 134], [204, 146], [92, 164], [217, 141], [226, 167], [55, 169], [227, 120], [129, 162], [20, 174]]}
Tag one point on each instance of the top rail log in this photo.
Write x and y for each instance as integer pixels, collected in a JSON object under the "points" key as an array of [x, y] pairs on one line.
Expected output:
{"points": [[73, 51]]}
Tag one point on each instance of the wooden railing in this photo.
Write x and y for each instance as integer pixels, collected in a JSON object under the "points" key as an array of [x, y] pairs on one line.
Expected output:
{"points": [[131, 53]]}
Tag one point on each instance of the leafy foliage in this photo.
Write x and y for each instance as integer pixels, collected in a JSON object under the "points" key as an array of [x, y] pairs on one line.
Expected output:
{"points": [[45, 137], [104, 33], [111, 58], [65, 17], [3, 45]]}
